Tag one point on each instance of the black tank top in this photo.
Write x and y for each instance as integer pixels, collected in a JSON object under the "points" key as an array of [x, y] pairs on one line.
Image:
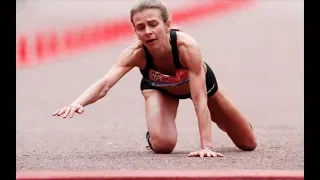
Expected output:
{"points": [[158, 79], [175, 53]]}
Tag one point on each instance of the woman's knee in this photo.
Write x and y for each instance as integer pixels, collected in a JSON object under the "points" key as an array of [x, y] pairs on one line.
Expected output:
{"points": [[163, 143], [248, 145]]}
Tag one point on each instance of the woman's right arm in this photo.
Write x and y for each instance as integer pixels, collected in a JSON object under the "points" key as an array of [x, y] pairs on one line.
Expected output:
{"points": [[127, 60]]}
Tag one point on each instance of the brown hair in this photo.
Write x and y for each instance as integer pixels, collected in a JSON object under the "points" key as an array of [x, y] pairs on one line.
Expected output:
{"points": [[140, 5]]}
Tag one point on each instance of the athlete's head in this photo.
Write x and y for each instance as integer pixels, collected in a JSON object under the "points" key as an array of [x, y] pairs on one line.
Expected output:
{"points": [[150, 19]]}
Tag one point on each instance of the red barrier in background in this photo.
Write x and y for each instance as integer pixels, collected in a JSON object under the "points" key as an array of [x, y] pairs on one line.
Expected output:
{"points": [[22, 48], [51, 44], [165, 175]]}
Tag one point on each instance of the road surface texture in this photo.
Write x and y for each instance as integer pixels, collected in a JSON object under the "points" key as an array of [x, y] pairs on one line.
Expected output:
{"points": [[257, 53]]}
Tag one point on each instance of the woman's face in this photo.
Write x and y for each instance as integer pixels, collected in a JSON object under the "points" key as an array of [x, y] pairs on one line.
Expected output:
{"points": [[150, 28]]}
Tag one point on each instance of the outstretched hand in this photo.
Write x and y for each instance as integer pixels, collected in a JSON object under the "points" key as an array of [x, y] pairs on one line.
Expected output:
{"points": [[69, 110], [205, 153]]}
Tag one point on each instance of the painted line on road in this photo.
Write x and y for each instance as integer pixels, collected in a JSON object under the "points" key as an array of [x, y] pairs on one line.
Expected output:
{"points": [[165, 175]]}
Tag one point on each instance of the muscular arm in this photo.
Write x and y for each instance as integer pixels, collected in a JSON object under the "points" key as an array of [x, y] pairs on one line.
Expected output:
{"points": [[190, 53], [126, 61]]}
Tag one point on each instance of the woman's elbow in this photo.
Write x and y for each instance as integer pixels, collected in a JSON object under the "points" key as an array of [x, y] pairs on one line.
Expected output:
{"points": [[105, 90]]}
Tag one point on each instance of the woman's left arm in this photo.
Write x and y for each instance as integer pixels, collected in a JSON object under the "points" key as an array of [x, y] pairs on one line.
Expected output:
{"points": [[191, 58]]}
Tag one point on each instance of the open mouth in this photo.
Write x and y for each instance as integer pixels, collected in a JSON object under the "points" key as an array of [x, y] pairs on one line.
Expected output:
{"points": [[150, 40]]}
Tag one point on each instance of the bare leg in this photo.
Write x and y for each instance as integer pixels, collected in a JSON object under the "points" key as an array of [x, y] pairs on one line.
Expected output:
{"points": [[230, 120], [161, 111]]}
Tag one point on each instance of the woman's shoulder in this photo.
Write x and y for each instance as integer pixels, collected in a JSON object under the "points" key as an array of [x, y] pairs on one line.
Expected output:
{"points": [[134, 53], [135, 45], [185, 39], [134, 48]]}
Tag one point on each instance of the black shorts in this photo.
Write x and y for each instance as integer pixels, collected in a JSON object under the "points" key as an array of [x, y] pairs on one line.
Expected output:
{"points": [[211, 83]]}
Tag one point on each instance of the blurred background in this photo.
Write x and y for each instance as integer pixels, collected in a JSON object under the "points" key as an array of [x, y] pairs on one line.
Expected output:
{"points": [[255, 48]]}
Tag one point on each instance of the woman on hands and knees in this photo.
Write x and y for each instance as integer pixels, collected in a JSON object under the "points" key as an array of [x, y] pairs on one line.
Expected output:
{"points": [[172, 69]]}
